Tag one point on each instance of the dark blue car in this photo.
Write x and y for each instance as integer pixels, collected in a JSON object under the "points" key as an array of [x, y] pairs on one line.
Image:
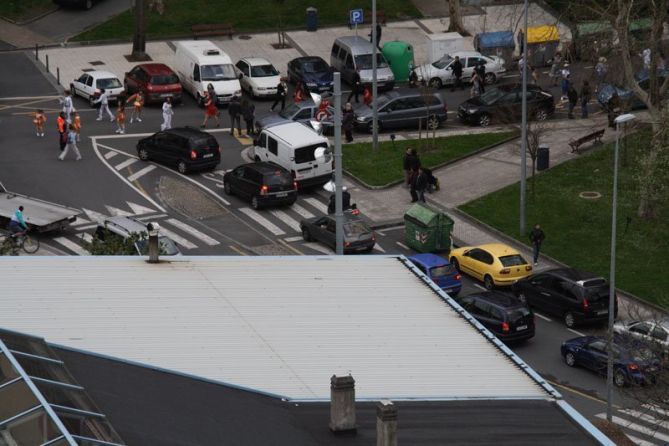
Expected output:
{"points": [[632, 364], [441, 272], [628, 99], [311, 71]]}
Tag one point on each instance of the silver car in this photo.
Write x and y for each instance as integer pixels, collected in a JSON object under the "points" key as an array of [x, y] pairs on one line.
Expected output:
{"points": [[656, 332], [439, 73]]}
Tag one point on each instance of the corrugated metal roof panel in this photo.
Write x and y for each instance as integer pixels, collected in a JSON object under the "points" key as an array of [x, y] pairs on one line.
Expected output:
{"points": [[279, 325]]}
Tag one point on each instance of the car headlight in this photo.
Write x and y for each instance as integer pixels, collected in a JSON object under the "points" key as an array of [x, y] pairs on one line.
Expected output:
{"points": [[471, 111], [360, 119]]}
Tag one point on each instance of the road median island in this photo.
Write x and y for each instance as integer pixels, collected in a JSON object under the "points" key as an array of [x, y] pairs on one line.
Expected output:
{"points": [[578, 230]]}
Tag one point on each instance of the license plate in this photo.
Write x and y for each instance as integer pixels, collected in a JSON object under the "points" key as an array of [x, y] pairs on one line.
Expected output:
{"points": [[207, 155], [600, 312], [521, 327], [166, 95], [282, 194]]}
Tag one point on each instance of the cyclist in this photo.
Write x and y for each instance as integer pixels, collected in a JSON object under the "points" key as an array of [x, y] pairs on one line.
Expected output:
{"points": [[17, 225]]}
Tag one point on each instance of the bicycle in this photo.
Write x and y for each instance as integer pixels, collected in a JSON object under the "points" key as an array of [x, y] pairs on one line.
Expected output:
{"points": [[20, 240]]}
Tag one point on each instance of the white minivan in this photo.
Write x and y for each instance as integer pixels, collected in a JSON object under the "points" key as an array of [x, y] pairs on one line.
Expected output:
{"points": [[351, 54], [292, 145], [200, 63]]}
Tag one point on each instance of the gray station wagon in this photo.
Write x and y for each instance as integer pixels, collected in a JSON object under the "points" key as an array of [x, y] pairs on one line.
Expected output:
{"points": [[404, 109]]}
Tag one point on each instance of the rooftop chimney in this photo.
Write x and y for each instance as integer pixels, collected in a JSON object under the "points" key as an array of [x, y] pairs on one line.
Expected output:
{"points": [[386, 423], [342, 405], [154, 246]]}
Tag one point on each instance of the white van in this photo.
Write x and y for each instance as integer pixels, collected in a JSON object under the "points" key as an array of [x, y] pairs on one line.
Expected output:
{"points": [[291, 145], [200, 63], [353, 53]]}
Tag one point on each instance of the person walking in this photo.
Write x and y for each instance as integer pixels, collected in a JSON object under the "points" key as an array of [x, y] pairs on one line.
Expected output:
{"points": [[419, 186], [480, 72], [249, 115], [406, 165], [367, 96], [61, 125], [235, 111], [68, 106], [212, 94], [585, 98], [537, 237], [137, 101], [210, 110], [71, 145], [555, 68], [534, 74], [565, 75], [120, 119], [39, 119], [347, 122], [476, 85], [356, 86], [456, 68], [76, 122], [281, 91], [167, 114], [572, 97], [601, 69], [378, 35], [103, 100], [298, 94]]}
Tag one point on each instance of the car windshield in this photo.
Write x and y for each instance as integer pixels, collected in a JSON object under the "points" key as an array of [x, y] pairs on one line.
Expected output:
{"points": [[263, 71], [290, 111], [382, 100], [315, 66], [167, 246], [306, 154], [517, 315], [356, 228], [165, 79], [364, 61], [443, 62], [278, 178], [203, 143], [217, 72], [491, 96], [442, 271], [512, 260], [111, 82]]}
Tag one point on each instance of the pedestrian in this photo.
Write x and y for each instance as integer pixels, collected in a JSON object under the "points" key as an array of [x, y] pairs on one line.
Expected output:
{"points": [[521, 41], [347, 122], [601, 70], [480, 71], [212, 94], [345, 201], [432, 181], [419, 186], [521, 64], [76, 122], [456, 68], [298, 95], [137, 101], [555, 68], [39, 118], [61, 124], [645, 55], [537, 237], [68, 106], [120, 119], [413, 77], [564, 75], [572, 97], [356, 87], [406, 165], [235, 111], [281, 91], [585, 98], [534, 74], [71, 145], [167, 114], [103, 100], [378, 35], [476, 85], [210, 110], [367, 96], [249, 115]]}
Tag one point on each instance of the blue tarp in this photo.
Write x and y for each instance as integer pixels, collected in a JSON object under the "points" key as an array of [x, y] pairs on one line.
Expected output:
{"points": [[498, 39]]}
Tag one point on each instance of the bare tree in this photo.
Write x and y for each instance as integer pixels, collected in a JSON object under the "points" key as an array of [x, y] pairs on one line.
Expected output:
{"points": [[455, 17], [535, 131]]}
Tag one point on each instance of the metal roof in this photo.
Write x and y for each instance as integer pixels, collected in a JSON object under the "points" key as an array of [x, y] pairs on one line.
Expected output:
{"points": [[280, 325]]}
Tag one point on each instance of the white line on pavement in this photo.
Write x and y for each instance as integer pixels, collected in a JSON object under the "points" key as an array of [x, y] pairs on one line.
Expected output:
{"points": [[69, 244], [319, 248], [317, 204], [81, 221], [116, 212], [656, 409], [125, 163], [287, 219], [541, 316], [271, 227], [639, 441], [393, 228], [378, 248], [575, 332], [636, 427], [110, 155], [138, 209], [402, 245], [643, 416], [85, 236], [194, 232], [179, 240], [300, 210], [85, 228], [141, 173], [151, 217], [480, 286], [293, 239]]}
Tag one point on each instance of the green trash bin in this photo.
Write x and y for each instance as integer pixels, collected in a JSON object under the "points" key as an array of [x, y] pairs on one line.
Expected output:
{"points": [[427, 229], [400, 57]]}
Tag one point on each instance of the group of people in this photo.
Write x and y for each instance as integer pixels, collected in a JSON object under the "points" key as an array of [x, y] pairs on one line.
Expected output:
{"points": [[419, 179], [477, 80]]}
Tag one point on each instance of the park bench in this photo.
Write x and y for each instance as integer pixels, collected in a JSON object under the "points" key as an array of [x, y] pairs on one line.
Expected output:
{"points": [[380, 16], [596, 136], [208, 30]]}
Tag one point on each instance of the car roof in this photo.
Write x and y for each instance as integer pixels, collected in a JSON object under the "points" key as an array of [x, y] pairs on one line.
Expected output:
{"points": [[409, 93], [266, 167], [465, 54], [497, 249], [296, 134], [499, 299], [573, 274], [429, 260], [255, 61], [100, 74], [356, 43], [128, 224], [156, 68], [188, 132], [304, 59]]}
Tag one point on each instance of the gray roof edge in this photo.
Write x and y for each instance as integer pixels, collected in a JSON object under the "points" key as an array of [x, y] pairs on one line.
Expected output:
{"points": [[584, 424]]}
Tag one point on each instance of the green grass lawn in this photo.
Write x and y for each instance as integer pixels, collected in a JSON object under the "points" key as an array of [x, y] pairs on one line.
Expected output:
{"points": [[22, 10], [578, 231], [385, 165], [244, 15]]}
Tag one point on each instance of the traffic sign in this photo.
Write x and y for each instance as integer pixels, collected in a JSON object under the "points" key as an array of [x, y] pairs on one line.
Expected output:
{"points": [[356, 16]]}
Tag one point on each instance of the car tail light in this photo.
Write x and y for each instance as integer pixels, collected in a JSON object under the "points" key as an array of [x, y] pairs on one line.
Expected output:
{"points": [[505, 327], [347, 244], [458, 277], [633, 367], [505, 271], [355, 212], [219, 150], [193, 154], [585, 304], [295, 185], [528, 267], [264, 190]]}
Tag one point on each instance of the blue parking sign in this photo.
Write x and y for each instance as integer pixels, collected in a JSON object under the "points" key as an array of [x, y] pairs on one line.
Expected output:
{"points": [[356, 16]]}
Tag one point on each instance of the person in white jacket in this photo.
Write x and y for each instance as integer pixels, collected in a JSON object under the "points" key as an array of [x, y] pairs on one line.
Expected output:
{"points": [[167, 114], [68, 106], [103, 100]]}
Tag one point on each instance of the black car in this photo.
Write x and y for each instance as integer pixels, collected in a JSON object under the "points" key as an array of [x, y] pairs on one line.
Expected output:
{"points": [[397, 109], [313, 72], [504, 315], [262, 183], [504, 104], [576, 296], [358, 236], [186, 148]]}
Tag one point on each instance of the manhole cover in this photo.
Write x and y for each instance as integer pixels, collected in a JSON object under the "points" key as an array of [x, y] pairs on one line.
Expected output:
{"points": [[244, 37], [590, 195]]}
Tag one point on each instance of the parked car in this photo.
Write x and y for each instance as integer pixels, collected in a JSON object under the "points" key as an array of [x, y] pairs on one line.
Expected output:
{"points": [[504, 103], [508, 318], [438, 74], [263, 184], [303, 111], [575, 296], [440, 271], [358, 236], [653, 333], [495, 264], [404, 109], [89, 84], [629, 100], [84, 4], [311, 71], [185, 148], [123, 228], [257, 76], [631, 365], [156, 81]]}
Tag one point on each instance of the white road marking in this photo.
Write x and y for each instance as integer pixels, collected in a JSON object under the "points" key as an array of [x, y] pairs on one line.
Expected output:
{"points": [[138, 209], [300, 210], [95, 216], [85, 236], [116, 212], [87, 227], [656, 409], [271, 227], [636, 427], [69, 244], [480, 287], [382, 234], [287, 219], [541, 316], [81, 221], [378, 248], [319, 248], [212, 177], [393, 228], [110, 155], [151, 217], [293, 239], [643, 416], [639, 441], [141, 173], [576, 332], [192, 231], [402, 245], [126, 163], [179, 240], [317, 204]]}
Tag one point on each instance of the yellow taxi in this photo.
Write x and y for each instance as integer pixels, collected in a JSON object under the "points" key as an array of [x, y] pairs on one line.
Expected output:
{"points": [[496, 264]]}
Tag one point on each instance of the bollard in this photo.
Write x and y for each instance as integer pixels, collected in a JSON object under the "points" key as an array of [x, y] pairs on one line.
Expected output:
{"points": [[47, 63], [58, 75], [154, 245]]}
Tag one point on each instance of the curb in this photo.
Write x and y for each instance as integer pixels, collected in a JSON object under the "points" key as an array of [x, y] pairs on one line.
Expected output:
{"points": [[31, 19]]}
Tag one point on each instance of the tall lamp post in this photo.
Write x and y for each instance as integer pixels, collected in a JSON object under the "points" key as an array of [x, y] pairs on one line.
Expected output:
{"points": [[523, 132], [612, 273]]}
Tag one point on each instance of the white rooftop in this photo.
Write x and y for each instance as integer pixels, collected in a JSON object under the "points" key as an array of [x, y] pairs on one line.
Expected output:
{"points": [[281, 325]]}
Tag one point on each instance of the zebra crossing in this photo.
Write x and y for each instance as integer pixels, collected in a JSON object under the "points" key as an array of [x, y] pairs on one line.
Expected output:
{"points": [[647, 425]]}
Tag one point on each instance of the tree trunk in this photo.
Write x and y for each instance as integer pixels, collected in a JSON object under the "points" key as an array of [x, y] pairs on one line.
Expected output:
{"points": [[139, 39], [455, 18], [534, 171]]}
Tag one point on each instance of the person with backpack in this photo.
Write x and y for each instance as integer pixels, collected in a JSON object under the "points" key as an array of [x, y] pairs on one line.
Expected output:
{"points": [[456, 68], [585, 98], [249, 114], [235, 111], [537, 237]]}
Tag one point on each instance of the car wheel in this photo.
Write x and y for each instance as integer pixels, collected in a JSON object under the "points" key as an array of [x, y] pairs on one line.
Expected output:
{"points": [[306, 235], [484, 120], [143, 154], [488, 283], [541, 115], [182, 167], [227, 188], [255, 204], [490, 78], [370, 127], [570, 359], [433, 122], [435, 82], [455, 263], [619, 378], [569, 319]]}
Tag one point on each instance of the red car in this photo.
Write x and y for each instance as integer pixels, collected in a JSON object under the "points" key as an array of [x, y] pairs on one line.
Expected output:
{"points": [[156, 81]]}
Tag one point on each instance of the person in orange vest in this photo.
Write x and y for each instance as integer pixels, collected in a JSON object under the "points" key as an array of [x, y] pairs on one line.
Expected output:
{"points": [[137, 101], [76, 123], [39, 118], [120, 119], [62, 130], [367, 97], [299, 93]]}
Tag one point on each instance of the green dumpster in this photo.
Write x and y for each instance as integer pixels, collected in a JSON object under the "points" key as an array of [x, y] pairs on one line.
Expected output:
{"points": [[400, 58], [427, 229]]}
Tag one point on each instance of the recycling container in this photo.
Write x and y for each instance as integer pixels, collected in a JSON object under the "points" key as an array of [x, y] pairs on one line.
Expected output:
{"points": [[400, 58], [543, 155], [312, 19], [427, 229]]}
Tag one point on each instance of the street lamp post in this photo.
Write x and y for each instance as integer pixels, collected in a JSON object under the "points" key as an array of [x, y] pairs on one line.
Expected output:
{"points": [[612, 285], [523, 132], [375, 114]]}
